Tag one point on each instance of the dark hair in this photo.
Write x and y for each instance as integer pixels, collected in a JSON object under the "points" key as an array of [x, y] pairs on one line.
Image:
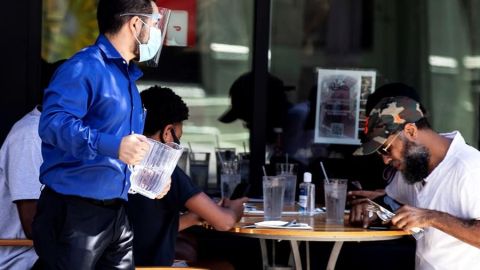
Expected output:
{"points": [[241, 97], [109, 11], [423, 124], [164, 107]]}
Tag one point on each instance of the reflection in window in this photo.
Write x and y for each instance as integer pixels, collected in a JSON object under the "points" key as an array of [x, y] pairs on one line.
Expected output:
{"points": [[68, 26], [430, 45], [202, 74]]}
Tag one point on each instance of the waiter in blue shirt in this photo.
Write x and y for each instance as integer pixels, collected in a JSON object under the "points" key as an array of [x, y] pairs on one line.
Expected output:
{"points": [[90, 129]]}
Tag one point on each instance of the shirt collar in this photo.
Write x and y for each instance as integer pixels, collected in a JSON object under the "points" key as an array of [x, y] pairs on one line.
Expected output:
{"points": [[111, 53], [456, 138], [107, 48]]}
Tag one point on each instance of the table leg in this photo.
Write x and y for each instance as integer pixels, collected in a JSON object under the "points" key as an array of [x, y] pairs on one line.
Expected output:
{"points": [[334, 255], [296, 255], [263, 248], [307, 260], [274, 260]]}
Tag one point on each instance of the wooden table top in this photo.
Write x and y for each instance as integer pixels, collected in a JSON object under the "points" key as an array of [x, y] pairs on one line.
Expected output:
{"points": [[16, 242], [321, 231]]}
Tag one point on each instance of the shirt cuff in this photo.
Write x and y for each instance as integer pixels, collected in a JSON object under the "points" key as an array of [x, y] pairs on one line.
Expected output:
{"points": [[108, 145]]}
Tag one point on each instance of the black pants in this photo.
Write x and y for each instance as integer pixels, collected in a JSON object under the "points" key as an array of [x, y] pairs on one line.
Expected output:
{"points": [[70, 232]]}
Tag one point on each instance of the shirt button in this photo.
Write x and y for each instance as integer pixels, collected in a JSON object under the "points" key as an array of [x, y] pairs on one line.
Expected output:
{"points": [[125, 62]]}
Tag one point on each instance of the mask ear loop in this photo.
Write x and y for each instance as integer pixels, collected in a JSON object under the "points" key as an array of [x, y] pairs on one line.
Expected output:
{"points": [[174, 136], [138, 35]]}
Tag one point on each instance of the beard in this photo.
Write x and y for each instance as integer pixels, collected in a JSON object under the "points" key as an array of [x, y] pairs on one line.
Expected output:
{"points": [[416, 159]]}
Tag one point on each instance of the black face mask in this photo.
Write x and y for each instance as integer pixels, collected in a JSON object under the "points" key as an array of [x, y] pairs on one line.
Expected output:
{"points": [[174, 136]]}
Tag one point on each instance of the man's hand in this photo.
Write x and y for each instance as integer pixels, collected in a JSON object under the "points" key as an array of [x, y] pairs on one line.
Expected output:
{"points": [[360, 214], [236, 206], [370, 194], [408, 217], [133, 149], [466, 230], [165, 190]]}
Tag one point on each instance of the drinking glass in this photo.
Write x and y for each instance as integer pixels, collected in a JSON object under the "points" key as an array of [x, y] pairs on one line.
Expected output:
{"points": [[289, 171], [273, 192], [335, 198], [223, 154], [230, 178], [199, 168]]}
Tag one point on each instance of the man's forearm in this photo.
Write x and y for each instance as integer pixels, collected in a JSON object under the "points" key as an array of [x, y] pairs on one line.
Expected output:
{"points": [[187, 220], [467, 231]]}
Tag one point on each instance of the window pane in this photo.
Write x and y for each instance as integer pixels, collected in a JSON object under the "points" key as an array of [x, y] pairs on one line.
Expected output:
{"points": [[433, 46], [67, 27], [201, 73]]}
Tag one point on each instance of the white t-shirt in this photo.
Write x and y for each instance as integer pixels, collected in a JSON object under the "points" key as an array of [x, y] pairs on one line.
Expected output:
{"points": [[452, 187], [20, 160]]}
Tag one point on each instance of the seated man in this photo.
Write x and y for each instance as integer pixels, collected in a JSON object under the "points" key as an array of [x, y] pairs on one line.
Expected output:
{"points": [[388, 175], [20, 160], [438, 183], [156, 222]]}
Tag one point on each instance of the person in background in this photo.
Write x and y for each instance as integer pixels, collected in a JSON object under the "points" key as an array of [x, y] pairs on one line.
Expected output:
{"points": [[20, 160], [91, 129], [241, 96], [156, 222], [438, 183]]}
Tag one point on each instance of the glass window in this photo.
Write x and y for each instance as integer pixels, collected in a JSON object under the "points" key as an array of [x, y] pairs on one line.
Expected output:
{"points": [[67, 27], [201, 73], [433, 46]]}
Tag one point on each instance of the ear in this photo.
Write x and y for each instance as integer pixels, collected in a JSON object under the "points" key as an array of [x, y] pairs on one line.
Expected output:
{"points": [[166, 132], [410, 131], [133, 25]]}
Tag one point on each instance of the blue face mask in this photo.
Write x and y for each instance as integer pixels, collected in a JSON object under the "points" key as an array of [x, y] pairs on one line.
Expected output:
{"points": [[150, 49]]}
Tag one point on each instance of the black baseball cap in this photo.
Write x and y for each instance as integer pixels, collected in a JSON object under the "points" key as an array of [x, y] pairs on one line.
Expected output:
{"points": [[241, 96]]}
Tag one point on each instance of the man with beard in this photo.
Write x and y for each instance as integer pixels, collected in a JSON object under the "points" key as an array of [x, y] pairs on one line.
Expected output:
{"points": [[91, 129], [437, 183]]}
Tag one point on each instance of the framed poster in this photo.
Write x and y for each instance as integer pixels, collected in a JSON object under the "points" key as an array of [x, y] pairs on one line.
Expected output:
{"points": [[341, 99]]}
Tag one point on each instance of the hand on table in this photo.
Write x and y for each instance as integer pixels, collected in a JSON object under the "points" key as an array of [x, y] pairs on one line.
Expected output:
{"points": [[237, 206], [370, 194], [360, 213]]}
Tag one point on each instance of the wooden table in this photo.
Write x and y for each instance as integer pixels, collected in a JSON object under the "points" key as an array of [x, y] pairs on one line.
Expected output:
{"points": [[16, 242], [321, 232]]}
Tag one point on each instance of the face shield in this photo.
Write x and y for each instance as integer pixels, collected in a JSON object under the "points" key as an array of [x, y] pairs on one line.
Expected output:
{"points": [[157, 24]]}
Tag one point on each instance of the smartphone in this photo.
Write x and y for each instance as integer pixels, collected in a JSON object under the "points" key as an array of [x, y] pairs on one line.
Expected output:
{"points": [[354, 185], [240, 191], [379, 228]]}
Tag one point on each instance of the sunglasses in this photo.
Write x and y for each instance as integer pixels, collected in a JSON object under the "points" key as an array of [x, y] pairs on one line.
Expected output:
{"points": [[385, 150]]}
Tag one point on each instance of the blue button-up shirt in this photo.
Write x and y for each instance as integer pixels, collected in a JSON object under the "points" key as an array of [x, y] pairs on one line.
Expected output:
{"points": [[91, 103]]}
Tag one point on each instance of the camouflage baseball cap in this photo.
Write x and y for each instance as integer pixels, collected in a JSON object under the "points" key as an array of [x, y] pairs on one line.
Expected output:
{"points": [[386, 118]]}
